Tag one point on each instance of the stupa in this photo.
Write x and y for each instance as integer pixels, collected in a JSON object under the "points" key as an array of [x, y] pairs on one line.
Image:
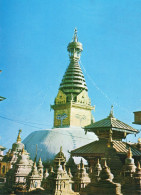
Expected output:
{"points": [[72, 111]]}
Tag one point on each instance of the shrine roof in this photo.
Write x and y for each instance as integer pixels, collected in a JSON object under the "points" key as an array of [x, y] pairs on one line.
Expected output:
{"points": [[110, 123], [100, 147]]}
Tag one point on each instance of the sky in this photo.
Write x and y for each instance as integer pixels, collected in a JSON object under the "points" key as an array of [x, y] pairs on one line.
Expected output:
{"points": [[34, 35]]}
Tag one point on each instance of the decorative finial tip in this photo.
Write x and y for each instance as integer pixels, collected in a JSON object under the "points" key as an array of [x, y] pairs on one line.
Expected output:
{"points": [[75, 30], [105, 163], [19, 137], [61, 149], [138, 165], [34, 165], [46, 171], [75, 37], [51, 170], [129, 153], [111, 115]]}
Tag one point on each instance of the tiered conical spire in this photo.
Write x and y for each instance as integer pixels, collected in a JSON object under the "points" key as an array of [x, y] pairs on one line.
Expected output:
{"points": [[19, 136], [73, 80], [72, 105]]}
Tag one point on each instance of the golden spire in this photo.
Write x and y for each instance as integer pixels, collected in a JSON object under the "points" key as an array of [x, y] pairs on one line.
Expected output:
{"points": [[51, 170], [82, 165], [19, 137], [46, 171], [138, 165], [34, 165], [105, 163], [129, 153]]}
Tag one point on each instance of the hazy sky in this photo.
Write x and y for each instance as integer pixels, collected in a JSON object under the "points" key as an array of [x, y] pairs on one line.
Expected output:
{"points": [[34, 35]]}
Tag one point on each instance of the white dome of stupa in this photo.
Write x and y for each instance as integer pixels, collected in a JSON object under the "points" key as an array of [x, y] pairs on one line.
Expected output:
{"points": [[49, 142]]}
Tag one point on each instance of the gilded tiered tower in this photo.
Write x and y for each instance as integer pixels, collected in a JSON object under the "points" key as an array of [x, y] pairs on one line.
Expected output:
{"points": [[72, 105]]}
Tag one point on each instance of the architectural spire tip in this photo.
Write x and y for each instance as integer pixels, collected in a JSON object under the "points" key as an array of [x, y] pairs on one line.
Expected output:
{"points": [[138, 165], [75, 37], [61, 149], [19, 137], [105, 163], [129, 153], [111, 115]]}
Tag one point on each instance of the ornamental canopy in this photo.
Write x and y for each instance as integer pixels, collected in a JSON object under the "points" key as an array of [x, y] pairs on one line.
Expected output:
{"points": [[111, 126], [100, 148]]}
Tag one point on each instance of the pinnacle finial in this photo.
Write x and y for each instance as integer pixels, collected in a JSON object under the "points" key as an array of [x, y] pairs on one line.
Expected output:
{"points": [[51, 170], [138, 165], [75, 37], [19, 137], [129, 153], [34, 166], [111, 115], [46, 171], [61, 149], [105, 163]]}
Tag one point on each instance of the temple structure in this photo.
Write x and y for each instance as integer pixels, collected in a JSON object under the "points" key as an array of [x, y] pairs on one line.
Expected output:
{"points": [[110, 146], [59, 180], [72, 111]]}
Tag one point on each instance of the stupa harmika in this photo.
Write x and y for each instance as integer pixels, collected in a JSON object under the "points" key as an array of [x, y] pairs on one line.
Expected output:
{"points": [[72, 111]]}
